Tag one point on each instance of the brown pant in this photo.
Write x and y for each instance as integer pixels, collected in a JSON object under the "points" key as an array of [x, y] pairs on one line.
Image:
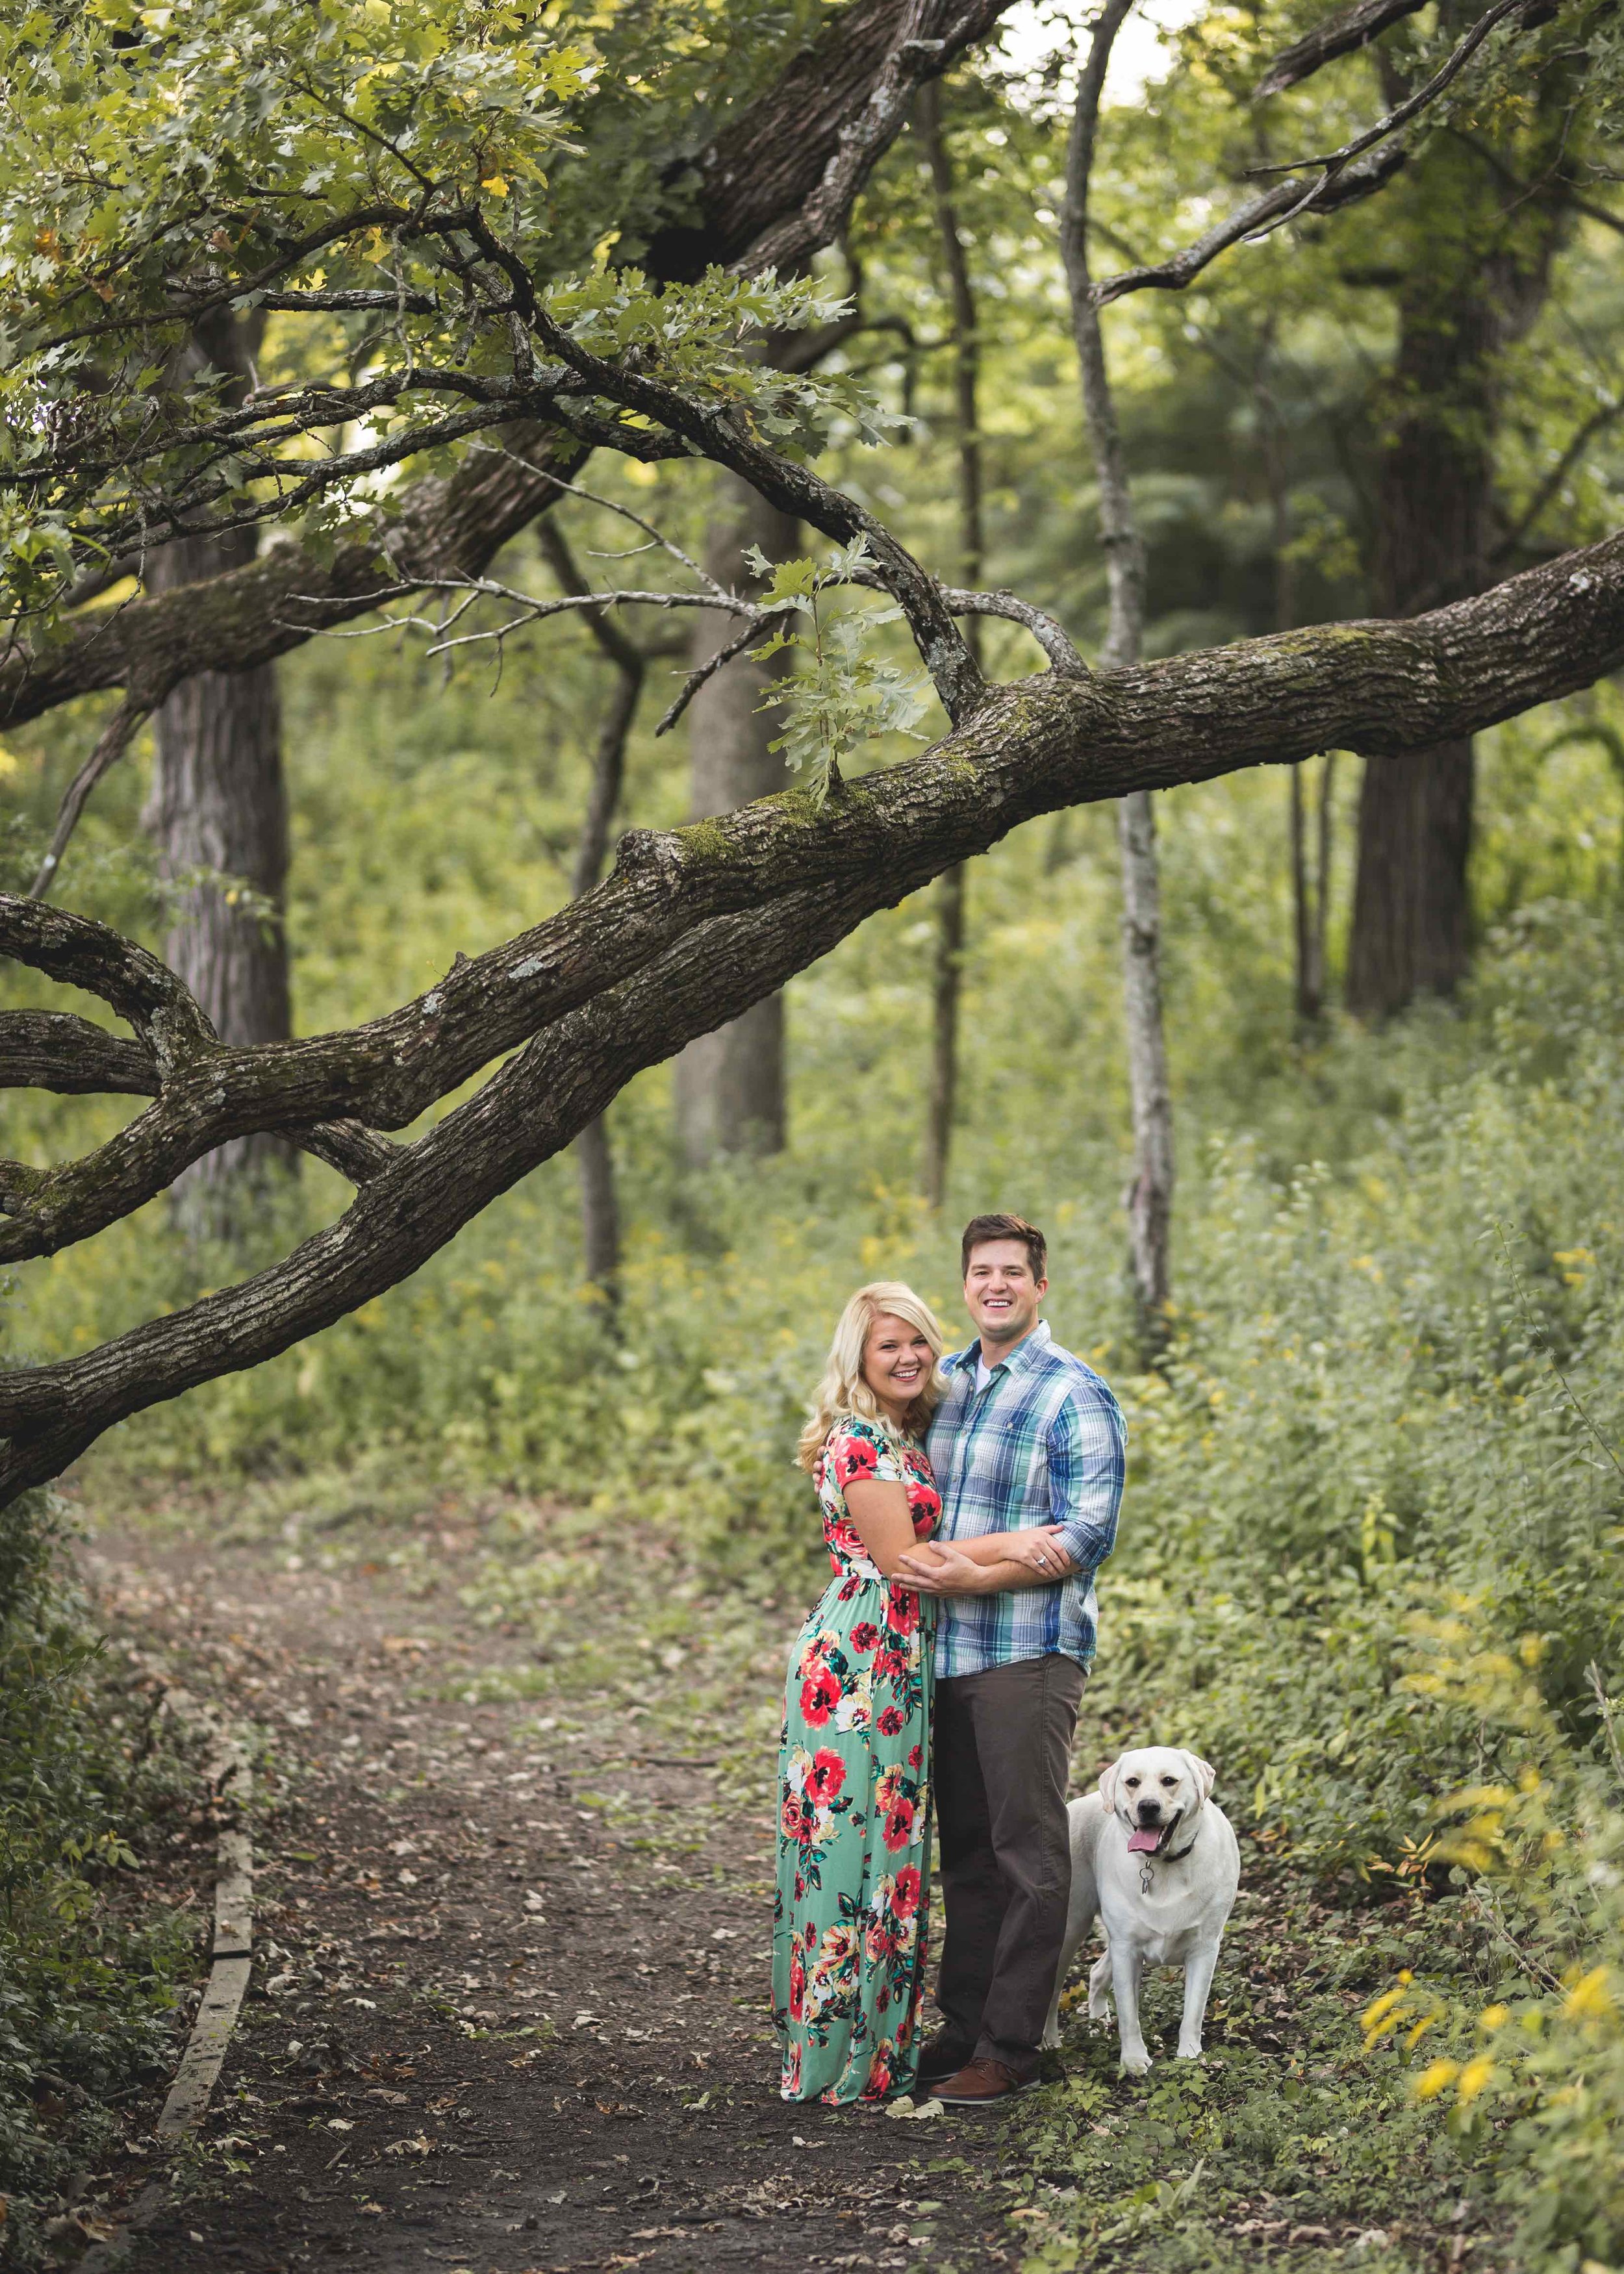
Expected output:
{"points": [[1002, 1757]]}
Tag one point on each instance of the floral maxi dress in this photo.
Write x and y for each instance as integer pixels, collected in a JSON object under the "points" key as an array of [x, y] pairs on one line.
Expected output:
{"points": [[849, 1914]]}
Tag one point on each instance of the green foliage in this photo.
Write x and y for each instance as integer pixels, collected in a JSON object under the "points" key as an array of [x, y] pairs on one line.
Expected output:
{"points": [[88, 1778], [846, 693]]}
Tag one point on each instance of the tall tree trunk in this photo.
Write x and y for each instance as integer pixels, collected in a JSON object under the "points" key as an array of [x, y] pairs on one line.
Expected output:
{"points": [[1150, 1194], [594, 1155], [1483, 271], [1410, 920], [219, 815], [730, 1084], [948, 978]]}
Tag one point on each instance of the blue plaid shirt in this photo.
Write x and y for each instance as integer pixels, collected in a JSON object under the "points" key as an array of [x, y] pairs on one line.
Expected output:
{"points": [[1044, 1442]]}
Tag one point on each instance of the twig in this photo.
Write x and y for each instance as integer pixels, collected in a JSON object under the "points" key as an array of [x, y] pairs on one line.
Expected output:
{"points": [[696, 679], [1604, 1706], [1577, 443], [1465, 48], [1266, 213], [1536, 1972], [114, 741]]}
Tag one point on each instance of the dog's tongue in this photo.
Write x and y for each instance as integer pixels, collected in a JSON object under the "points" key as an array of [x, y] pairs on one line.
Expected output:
{"points": [[1147, 1839]]}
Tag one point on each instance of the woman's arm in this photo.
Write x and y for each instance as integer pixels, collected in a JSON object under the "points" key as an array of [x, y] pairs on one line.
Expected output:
{"points": [[1041, 1547], [883, 1521], [947, 1567]]}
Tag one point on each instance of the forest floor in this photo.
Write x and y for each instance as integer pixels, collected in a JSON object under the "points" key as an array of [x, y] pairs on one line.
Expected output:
{"points": [[514, 1858]]}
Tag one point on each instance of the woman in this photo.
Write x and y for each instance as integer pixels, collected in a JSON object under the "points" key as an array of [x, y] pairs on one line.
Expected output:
{"points": [[850, 1910]]}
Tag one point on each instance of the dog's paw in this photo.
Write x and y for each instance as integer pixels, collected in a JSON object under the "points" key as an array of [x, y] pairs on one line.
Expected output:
{"points": [[1099, 2009], [1136, 2061], [1049, 2042], [1190, 2053]]}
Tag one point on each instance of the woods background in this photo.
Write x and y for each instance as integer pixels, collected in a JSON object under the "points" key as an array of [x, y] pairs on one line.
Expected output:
{"points": [[1374, 1371]]}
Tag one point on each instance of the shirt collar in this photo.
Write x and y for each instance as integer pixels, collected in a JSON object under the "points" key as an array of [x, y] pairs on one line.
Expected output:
{"points": [[1026, 1352]]}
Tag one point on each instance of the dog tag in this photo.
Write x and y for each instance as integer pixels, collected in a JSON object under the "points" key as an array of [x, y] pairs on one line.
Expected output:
{"points": [[1147, 1878]]}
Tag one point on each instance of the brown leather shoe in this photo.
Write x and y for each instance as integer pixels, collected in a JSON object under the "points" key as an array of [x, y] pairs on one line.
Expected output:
{"points": [[979, 2084], [941, 2057]]}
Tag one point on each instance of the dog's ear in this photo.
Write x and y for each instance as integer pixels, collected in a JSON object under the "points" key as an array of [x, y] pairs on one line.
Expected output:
{"points": [[1205, 1774], [1107, 1789]]}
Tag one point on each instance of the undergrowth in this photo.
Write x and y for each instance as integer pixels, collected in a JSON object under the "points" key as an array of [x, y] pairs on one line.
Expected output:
{"points": [[1370, 1560], [93, 1777]]}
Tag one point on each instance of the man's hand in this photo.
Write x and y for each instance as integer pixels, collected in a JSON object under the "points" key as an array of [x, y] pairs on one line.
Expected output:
{"points": [[933, 1569]]}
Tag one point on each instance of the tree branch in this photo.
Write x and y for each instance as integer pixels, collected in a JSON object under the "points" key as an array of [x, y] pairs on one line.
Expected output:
{"points": [[1337, 35], [1377, 688], [114, 740], [55, 1049], [802, 878], [1264, 214], [757, 173], [1599, 419], [1454, 63]]}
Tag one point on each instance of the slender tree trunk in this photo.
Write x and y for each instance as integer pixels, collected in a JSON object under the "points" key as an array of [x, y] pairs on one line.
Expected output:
{"points": [[594, 1155], [218, 813], [1322, 900], [730, 1084], [946, 983], [947, 980], [1308, 893], [1150, 1194]]}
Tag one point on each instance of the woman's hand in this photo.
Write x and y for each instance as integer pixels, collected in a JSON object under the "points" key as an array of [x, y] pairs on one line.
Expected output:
{"points": [[1042, 1548]]}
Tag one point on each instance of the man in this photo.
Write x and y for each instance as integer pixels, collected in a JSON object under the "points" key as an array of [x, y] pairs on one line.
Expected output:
{"points": [[1027, 1436]]}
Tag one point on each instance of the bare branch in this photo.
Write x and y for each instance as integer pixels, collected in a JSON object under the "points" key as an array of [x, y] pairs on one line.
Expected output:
{"points": [[924, 37], [1051, 636], [1268, 212], [1460, 56], [1600, 418], [114, 740], [1337, 35], [708, 669], [358, 1153]]}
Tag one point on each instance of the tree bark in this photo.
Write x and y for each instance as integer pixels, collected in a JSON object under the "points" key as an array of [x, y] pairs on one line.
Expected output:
{"points": [[219, 816], [1410, 920], [729, 1084], [1483, 264], [594, 1154], [951, 894], [1150, 1193]]}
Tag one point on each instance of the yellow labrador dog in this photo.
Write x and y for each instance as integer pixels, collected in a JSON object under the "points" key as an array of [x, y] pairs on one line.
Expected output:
{"points": [[1158, 1865]]}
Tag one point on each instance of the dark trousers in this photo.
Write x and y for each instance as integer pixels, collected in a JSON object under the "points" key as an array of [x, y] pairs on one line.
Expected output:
{"points": [[1002, 1754]]}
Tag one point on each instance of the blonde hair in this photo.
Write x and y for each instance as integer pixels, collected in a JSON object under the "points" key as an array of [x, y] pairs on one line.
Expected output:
{"points": [[842, 1388]]}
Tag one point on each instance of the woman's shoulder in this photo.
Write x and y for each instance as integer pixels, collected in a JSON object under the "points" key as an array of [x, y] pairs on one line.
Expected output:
{"points": [[857, 1447]]}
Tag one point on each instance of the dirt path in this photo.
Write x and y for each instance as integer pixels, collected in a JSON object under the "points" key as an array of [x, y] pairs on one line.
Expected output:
{"points": [[510, 2006], [510, 2009]]}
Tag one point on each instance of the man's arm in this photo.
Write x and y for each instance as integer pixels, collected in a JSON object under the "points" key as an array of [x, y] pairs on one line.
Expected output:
{"points": [[1088, 1450]]}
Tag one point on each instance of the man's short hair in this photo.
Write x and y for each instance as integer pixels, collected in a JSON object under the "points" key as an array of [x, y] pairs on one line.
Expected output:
{"points": [[981, 1229]]}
